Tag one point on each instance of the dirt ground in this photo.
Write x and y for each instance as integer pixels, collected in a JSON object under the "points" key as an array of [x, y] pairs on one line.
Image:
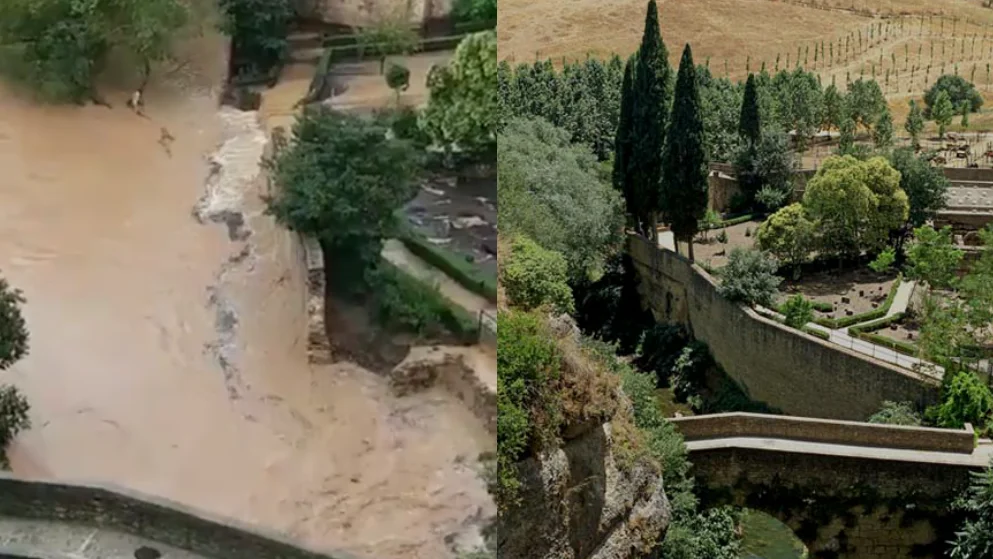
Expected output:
{"points": [[359, 85], [850, 291], [713, 253], [906, 330]]}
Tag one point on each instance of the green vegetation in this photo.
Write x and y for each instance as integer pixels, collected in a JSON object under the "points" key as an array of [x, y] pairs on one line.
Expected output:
{"points": [[883, 261], [789, 235], [896, 413], [876, 313], [958, 91], [534, 277], [865, 103], [13, 347], [974, 539], [684, 160], [798, 311], [882, 135], [389, 33], [258, 30], [645, 99], [405, 303], [463, 107], [471, 11], [397, 78], [924, 184], [915, 124], [554, 192], [459, 269], [942, 112], [965, 399], [933, 258], [766, 167], [58, 48], [750, 277]]}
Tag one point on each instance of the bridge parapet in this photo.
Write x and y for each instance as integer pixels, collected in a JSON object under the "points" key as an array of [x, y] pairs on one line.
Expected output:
{"points": [[854, 433]]}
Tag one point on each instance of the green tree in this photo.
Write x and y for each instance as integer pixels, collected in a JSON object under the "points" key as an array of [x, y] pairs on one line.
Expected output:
{"points": [[750, 127], [551, 190], [750, 277], [965, 399], [974, 538], [720, 101], [846, 139], [342, 179], [475, 10], [882, 135], [832, 108], [865, 102], [258, 30], [622, 142], [651, 96], [684, 160], [462, 110], [856, 204], [789, 235], [534, 276], [932, 256], [58, 48], [942, 112], [883, 261], [768, 164], [896, 413], [797, 311], [958, 89], [13, 346], [924, 184], [915, 124], [389, 32], [398, 79]]}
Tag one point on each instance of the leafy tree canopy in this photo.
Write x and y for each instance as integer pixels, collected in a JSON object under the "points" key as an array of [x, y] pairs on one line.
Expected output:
{"points": [[942, 112], [959, 91], [924, 184], [462, 109], [258, 30], [475, 10], [767, 164], [553, 192], [750, 277], [915, 123], [534, 277], [13, 346], [789, 235], [865, 102]]}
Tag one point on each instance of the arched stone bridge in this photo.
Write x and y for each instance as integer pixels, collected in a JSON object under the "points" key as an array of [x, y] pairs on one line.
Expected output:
{"points": [[848, 490], [55, 520]]}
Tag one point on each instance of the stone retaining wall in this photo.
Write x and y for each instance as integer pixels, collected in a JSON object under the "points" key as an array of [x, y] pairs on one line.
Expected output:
{"points": [[726, 425], [318, 344], [783, 367], [148, 517]]}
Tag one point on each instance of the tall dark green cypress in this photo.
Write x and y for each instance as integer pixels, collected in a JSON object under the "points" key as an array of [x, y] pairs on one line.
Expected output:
{"points": [[645, 132], [684, 162], [622, 143], [750, 123]]}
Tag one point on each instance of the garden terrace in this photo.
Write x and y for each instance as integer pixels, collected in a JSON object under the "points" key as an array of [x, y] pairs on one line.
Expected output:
{"points": [[843, 298]]}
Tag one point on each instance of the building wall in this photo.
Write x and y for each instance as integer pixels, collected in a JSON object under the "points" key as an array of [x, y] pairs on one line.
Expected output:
{"points": [[785, 368]]}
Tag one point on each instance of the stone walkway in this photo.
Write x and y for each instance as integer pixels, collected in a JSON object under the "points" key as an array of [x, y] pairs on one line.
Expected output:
{"points": [[401, 257], [39, 538]]}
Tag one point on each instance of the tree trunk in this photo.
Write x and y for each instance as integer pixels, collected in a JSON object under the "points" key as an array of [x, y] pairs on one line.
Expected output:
{"points": [[689, 243]]}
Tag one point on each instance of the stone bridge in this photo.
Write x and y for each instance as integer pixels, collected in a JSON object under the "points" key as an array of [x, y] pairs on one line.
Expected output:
{"points": [[57, 520], [848, 490]]}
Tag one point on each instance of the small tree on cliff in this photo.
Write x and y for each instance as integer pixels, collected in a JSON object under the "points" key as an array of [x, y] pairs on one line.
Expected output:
{"points": [[650, 97], [13, 346], [684, 161]]}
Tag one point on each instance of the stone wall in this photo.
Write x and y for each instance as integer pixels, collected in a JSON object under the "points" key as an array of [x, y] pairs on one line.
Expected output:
{"points": [[721, 189], [962, 174], [724, 425], [355, 13], [840, 506], [148, 517], [783, 367]]}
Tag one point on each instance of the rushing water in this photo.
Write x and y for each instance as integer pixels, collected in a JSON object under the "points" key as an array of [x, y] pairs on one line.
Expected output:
{"points": [[168, 355]]}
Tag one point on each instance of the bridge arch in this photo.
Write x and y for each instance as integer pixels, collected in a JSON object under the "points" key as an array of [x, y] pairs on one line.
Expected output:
{"points": [[848, 490]]}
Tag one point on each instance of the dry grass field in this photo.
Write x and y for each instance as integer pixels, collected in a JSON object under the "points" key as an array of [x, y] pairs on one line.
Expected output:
{"points": [[921, 39]]}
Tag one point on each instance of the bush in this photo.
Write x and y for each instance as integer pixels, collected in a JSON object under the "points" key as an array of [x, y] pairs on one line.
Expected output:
{"points": [[529, 414], [465, 273], [750, 277], [397, 77], [534, 277], [13, 419], [13, 329], [258, 29], [959, 91], [798, 311], [660, 347], [965, 399], [403, 302], [883, 261], [896, 413]]}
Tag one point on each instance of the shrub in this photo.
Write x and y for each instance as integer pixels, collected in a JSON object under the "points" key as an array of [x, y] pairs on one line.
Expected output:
{"points": [[13, 418], [465, 273], [660, 347], [258, 29], [533, 276], [965, 399], [883, 261], [13, 330], [528, 373], [974, 539], [933, 257], [896, 413], [750, 277], [798, 311], [397, 77], [959, 91], [406, 303], [788, 235]]}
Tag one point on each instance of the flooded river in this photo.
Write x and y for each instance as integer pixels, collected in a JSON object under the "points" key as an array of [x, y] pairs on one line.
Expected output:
{"points": [[168, 355]]}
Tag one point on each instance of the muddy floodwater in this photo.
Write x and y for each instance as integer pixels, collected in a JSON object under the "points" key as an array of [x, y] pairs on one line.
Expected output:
{"points": [[168, 353]]}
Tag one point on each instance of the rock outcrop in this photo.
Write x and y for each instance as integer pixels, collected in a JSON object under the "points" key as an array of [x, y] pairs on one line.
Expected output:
{"points": [[584, 502]]}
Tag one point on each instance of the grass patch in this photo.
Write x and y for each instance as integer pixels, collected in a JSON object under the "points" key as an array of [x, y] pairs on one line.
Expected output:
{"points": [[877, 313], [403, 302], [818, 306], [456, 267]]}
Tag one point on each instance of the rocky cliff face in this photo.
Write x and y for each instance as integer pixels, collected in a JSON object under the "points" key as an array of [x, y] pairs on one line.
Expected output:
{"points": [[585, 501]]}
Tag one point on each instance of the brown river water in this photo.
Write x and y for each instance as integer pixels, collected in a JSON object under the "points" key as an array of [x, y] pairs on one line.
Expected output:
{"points": [[170, 358]]}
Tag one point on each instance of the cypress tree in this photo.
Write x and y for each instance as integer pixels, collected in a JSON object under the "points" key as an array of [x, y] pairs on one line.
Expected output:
{"points": [[651, 96], [684, 162], [750, 123], [622, 145]]}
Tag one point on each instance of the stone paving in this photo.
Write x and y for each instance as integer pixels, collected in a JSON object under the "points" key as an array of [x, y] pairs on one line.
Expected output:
{"points": [[40, 538]]}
